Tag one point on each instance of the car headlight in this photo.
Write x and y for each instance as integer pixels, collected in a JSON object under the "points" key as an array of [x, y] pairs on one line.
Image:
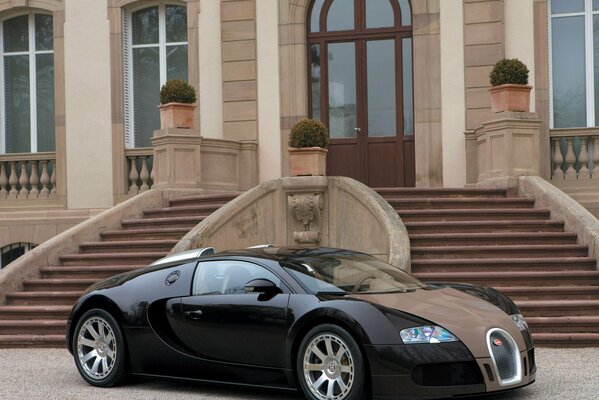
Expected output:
{"points": [[519, 321], [427, 334]]}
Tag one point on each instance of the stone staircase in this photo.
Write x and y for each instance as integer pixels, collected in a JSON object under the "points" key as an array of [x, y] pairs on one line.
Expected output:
{"points": [[36, 316], [484, 237]]}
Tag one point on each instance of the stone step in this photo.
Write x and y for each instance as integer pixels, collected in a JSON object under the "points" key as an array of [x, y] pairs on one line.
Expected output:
{"points": [[34, 341], [85, 271], [427, 227], [183, 211], [128, 246], [500, 238], [512, 251], [569, 324], [566, 339], [156, 233], [551, 292], [432, 203], [43, 298], [57, 285], [33, 327], [558, 308], [183, 201], [34, 312], [513, 278], [495, 214], [171, 222], [466, 265], [441, 192], [92, 259]]}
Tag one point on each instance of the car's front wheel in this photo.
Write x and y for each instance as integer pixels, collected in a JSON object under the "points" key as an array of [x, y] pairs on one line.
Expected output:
{"points": [[99, 349], [330, 365]]}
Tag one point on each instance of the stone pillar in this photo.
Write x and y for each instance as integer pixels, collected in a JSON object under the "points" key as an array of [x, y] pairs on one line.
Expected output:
{"points": [[507, 146], [177, 161]]}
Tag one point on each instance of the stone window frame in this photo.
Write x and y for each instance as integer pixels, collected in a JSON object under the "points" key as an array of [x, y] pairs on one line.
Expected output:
{"points": [[115, 10]]}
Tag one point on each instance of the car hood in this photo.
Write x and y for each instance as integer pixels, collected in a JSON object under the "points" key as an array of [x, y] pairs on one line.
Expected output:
{"points": [[467, 317]]}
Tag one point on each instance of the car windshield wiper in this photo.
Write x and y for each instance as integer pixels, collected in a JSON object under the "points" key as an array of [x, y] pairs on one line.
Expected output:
{"points": [[333, 292]]}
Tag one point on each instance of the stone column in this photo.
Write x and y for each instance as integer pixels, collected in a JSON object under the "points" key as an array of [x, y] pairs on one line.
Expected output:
{"points": [[177, 161]]}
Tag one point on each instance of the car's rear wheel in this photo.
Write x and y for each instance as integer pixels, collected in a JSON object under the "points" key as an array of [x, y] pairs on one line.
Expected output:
{"points": [[330, 365], [99, 349]]}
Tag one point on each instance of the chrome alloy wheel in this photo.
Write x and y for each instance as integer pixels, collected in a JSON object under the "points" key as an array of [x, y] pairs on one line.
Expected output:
{"points": [[96, 348], [328, 367]]}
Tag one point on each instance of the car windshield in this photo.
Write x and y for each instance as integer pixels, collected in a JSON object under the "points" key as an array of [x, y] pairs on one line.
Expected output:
{"points": [[349, 273]]}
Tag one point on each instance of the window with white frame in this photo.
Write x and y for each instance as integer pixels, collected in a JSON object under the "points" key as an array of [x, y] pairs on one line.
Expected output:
{"points": [[155, 45], [27, 79]]}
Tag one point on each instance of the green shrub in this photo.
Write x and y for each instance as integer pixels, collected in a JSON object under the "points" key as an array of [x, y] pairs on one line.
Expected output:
{"points": [[309, 133], [509, 71], [177, 91]]}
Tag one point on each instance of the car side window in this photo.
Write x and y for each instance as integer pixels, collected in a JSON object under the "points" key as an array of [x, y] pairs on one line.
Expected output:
{"points": [[228, 277]]}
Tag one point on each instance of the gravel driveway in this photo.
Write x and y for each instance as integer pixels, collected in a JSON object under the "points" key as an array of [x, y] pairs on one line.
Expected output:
{"points": [[51, 374]]}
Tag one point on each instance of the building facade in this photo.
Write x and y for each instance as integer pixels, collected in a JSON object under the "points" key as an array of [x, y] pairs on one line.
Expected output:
{"points": [[399, 83]]}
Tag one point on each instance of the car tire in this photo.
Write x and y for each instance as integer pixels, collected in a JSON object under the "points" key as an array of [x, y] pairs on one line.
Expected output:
{"points": [[330, 365], [99, 349]]}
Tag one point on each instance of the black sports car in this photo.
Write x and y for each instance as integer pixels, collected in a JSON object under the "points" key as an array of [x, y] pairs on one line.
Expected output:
{"points": [[336, 324]]}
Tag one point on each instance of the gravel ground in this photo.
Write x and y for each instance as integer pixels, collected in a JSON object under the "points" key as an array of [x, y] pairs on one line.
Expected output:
{"points": [[51, 374]]}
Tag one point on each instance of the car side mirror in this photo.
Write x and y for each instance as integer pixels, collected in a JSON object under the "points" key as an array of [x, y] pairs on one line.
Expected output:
{"points": [[264, 286]]}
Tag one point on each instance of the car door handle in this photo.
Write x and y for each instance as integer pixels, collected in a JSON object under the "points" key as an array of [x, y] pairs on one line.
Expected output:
{"points": [[195, 314]]}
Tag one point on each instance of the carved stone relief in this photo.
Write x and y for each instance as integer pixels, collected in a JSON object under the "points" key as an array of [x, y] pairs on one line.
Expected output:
{"points": [[307, 208]]}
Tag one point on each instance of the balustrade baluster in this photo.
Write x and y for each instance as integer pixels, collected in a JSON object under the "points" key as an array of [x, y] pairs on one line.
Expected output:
{"points": [[24, 181], [3, 180], [558, 159], [44, 180], [133, 176], [570, 160], [144, 175], [595, 157], [152, 173], [53, 179], [583, 159], [34, 180], [13, 181]]}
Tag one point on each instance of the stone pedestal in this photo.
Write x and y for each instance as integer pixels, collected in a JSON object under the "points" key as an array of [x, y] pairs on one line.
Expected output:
{"points": [[177, 159], [507, 146]]}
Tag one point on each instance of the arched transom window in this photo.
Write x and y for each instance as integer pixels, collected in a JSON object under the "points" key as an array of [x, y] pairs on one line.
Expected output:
{"points": [[155, 46]]}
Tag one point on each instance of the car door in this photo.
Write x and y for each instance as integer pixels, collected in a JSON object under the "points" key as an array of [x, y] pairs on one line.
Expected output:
{"points": [[221, 322]]}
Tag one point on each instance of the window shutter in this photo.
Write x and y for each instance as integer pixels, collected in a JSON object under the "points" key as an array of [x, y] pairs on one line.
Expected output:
{"points": [[128, 89]]}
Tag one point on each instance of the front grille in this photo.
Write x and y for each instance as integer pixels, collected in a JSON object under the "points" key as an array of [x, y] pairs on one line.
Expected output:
{"points": [[505, 355]]}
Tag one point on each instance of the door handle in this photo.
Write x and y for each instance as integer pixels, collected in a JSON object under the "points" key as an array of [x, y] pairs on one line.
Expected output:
{"points": [[195, 314], [357, 130]]}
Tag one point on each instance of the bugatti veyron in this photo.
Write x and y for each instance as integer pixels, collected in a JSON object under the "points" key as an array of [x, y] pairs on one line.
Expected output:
{"points": [[335, 324]]}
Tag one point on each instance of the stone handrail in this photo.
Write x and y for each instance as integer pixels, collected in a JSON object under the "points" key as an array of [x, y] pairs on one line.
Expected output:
{"points": [[28, 176], [308, 211]]}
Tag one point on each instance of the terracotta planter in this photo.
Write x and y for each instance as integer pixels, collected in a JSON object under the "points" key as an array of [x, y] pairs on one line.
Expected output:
{"points": [[177, 115], [307, 161], [510, 97]]}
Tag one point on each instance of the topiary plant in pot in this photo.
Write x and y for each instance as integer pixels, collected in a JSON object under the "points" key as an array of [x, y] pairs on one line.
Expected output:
{"points": [[307, 148], [177, 104], [510, 90]]}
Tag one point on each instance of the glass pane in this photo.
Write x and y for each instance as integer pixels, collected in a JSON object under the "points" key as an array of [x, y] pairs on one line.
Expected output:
{"points": [[315, 16], [145, 26], [43, 32], [380, 64], [176, 62], [595, 5], [16, 97], [146, 89], [315, 72], [341, 15], [406, 12], [342, 89], [176, 24], [45, 102], [407, 84], [566, 6], [379, 14], [596, 57], [568, 66], [16, 34]]}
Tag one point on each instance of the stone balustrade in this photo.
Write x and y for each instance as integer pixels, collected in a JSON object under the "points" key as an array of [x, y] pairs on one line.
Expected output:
{"points": [[574, 157], [140, 163], [28, 176]]}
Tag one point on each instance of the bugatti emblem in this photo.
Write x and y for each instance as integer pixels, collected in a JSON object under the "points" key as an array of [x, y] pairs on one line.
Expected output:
{"points": [[497, 342]]}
